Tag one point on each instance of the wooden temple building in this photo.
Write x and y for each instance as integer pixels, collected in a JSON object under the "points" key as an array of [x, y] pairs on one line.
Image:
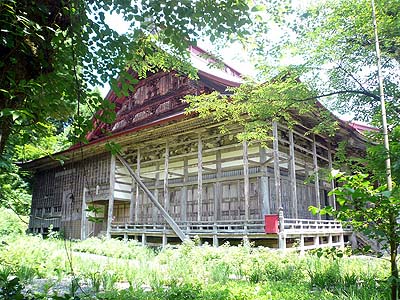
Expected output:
{"points": [[178, 176]]}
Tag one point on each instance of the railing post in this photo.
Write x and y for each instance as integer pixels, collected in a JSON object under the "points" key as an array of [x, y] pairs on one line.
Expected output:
{"points": [[281, 233], [143, 239], [215, 235], [316, 241], [302, 250], [164, 238], [341, 240]]}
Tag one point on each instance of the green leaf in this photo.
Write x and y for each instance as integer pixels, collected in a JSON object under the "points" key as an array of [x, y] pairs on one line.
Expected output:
{"points": [[258, 7]]}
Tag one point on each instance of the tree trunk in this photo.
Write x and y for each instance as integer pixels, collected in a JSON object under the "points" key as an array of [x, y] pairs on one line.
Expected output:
{"points": [[394, 283], [5, 131]]}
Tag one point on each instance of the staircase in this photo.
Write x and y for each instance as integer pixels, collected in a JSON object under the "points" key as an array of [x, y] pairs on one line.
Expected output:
{"points": [[364, 241]]}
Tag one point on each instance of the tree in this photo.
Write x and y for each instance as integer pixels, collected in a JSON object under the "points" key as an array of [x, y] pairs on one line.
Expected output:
{"points": [[371, 208], [345, 42], [332, 50], [53, 50]]}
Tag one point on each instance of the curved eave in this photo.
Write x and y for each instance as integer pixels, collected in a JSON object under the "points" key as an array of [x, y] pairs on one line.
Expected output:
{"points": [[82, 151]]}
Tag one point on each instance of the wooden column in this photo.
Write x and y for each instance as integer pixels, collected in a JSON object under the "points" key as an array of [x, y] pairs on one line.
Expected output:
{"points": [[199, 177], [184, 189], [307, 191], [156, 192], [246, 180], [137, 187], [277, 172], [316, 176], [218, 187], [281, 233], [111, 197], [332, 198], [166, 192], [292, 174], [132, 203], [84, 219], [264, 183]]}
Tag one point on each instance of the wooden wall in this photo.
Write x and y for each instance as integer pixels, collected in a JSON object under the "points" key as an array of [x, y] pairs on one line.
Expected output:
{"points": [[173, 166], [58, 192]]}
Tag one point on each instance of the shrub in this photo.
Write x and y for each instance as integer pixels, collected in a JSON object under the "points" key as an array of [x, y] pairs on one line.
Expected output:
{"points": [[10, 224]]}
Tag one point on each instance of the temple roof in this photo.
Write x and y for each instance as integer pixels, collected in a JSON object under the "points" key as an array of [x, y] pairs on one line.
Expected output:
{"points": [[157, 100]]}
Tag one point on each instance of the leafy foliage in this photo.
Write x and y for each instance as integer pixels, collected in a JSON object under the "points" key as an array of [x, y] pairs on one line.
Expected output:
{"points": [[52, 52], [190, 272], [252, 105], [10, 223]]}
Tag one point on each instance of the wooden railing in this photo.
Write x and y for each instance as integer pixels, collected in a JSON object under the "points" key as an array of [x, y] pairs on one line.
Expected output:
{"points": [[196, 227], [236, 227], [302, 226]]}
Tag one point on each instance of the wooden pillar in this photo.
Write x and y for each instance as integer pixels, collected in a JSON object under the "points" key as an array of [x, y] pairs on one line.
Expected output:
{"points": [[264, 183], [164, 238], [330, 239], [199, 177], [84, 218], [215, 235], [156, 192], [281, 233], [137, 187], [277, 172], [246, 180], [332, 198], [166, 192], [316, 240], [292, 174], [111, 197], [144, 241], [302, 250], [132, 203], [316, 176], [184, 190], [341, 240], [218, 187]]}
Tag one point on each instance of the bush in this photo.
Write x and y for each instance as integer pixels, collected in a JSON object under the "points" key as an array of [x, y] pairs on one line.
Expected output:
{"points": [[10, 224]]}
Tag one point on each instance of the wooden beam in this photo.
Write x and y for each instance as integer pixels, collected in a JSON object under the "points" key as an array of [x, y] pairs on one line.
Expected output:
{"points": [[292, 174], [316, 176], [246, 181], [253, 162], [137, 198], [264, 183], [199, 177], [163, 212], [277, 172], [111, 198]]}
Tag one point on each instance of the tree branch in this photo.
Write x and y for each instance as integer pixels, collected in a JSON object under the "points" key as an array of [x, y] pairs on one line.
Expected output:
{"points": [[365, 93]]}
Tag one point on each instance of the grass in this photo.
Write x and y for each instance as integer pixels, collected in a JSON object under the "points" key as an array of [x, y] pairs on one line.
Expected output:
{"points": [[192, 272]]}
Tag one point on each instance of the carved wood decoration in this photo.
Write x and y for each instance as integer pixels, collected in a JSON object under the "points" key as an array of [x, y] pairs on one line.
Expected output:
{"points": [[156, 97]]}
